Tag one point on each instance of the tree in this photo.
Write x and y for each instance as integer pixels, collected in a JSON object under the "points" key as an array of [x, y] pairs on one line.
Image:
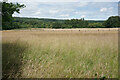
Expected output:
{"points": [[8, 10], [113, 21], [96, 25], [57, 25]]}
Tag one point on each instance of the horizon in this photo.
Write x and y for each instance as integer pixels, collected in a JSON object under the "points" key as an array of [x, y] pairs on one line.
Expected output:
{"points": [[61, 19]]}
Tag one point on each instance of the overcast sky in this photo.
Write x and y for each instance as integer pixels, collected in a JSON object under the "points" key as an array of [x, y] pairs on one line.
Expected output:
{"points": [[68, 9]]}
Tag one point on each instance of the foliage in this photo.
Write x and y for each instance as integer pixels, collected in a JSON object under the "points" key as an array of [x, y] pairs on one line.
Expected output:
{"points": [[77, 23], [96, 25], [8, 10], [51, 23], [113, 21], [56, 23]]}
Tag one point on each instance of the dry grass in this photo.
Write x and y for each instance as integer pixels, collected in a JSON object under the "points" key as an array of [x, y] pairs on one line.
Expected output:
{"points": [[56, 54]]}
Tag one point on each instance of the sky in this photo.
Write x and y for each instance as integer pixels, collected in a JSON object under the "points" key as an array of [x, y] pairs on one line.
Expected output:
{"points": [[68, 9]]}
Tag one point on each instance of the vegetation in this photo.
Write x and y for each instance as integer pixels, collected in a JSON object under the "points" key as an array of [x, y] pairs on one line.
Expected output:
{"points": [[18, 22], [55, 54], [60, 54], [96, 24], [54, 23], [8, 10], [113, 21]]}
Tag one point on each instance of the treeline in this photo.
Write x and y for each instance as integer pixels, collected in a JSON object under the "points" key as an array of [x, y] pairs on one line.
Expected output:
{"points": [[18, 22], [48, 23], [51, 23]]}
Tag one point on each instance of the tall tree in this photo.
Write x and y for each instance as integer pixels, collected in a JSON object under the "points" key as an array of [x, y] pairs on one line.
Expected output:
{"points": [[8, 10], [113, 21]]}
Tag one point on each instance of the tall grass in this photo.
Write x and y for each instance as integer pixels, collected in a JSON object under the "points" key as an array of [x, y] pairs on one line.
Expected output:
{"points": [[56, 54], [12, 59]]}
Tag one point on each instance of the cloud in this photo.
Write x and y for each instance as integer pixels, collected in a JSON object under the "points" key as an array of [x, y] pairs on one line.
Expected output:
{"points": [[63, 1], [37, 13], [53, 11], [83, 16], [83, 12], [64, 15], [81, 4], [68, 10], [111, 8], [103, 9]]}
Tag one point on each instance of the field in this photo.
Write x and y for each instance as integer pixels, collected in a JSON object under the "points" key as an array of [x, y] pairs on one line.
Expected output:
{"points": [[85, 53]]}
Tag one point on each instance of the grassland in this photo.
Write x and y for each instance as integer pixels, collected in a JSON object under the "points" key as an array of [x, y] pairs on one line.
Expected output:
{"points": [[60, 53]]}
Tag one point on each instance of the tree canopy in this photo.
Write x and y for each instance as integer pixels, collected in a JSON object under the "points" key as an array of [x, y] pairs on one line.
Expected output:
{"points": [[8, 10], [113, 21]]}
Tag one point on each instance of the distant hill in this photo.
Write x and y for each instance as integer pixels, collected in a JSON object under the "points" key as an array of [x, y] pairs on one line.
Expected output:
{"points": [[49, 20], [37, 19], [92, 21], [25, 22]]}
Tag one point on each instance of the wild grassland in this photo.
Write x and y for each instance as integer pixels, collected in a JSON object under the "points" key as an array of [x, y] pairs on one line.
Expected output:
{"points": [[56, 54]]}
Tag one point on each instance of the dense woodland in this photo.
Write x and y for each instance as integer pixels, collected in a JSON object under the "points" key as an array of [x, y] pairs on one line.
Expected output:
{"points": [[9, 22], [54, 23], [18, 22]]}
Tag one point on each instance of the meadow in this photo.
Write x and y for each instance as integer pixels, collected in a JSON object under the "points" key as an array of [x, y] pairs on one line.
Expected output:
{"points": [[60, 53]]}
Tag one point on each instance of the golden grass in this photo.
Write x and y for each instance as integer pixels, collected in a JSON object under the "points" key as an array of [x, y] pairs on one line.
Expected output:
{"points": [[58, 54]]}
